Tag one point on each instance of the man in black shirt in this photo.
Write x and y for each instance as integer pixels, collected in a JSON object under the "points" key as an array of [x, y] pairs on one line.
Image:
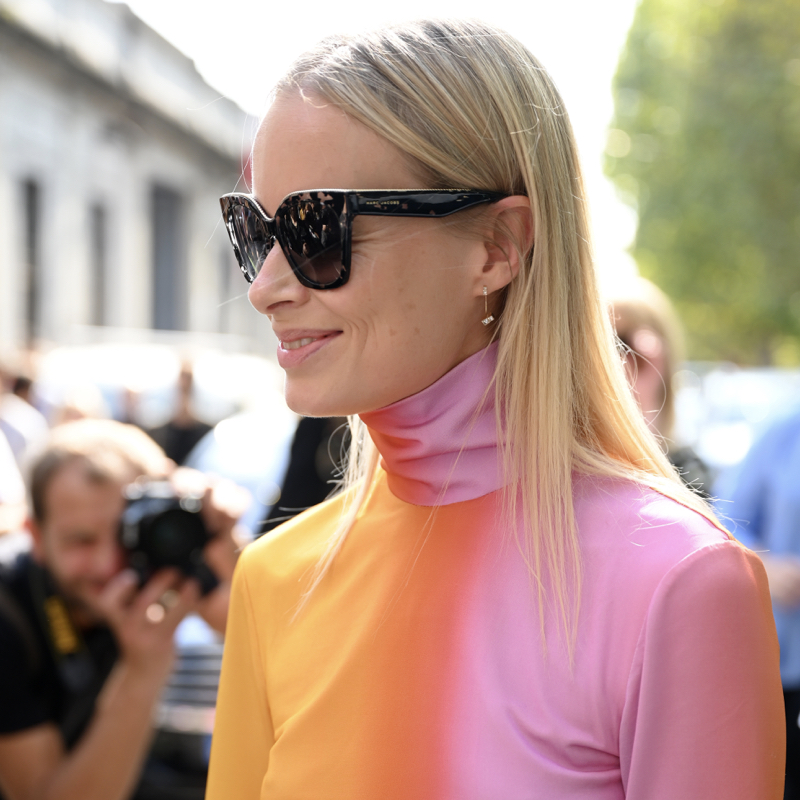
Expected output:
{"points": [[49, 669], [84, 652]]}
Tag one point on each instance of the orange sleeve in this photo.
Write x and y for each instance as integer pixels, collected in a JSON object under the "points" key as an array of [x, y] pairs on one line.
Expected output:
{"points": [[243, 732]]}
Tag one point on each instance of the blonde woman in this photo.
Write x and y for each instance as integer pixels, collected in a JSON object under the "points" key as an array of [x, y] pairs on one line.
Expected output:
{"points": [[513, 596]]}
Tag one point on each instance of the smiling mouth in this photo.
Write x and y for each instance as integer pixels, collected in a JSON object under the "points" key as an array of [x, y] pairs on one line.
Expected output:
{"points": [[297, 343], [307, 340]]}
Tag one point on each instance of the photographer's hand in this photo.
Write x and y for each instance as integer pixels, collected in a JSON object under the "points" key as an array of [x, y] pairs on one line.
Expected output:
{"points": [[223, 504], [107, 759], [144, 620]]}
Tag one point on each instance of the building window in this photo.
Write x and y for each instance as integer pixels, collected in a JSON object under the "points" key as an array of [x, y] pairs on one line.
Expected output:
{"points": [[169, 299], [98, 233], [31, 209], [231, 287]]}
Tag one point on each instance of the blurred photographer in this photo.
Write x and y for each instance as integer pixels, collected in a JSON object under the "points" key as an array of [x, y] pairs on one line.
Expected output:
{"points": [[84, 650]]}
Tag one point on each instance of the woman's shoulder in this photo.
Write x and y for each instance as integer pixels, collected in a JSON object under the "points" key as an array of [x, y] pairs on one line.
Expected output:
{"points": [[625, 520], [297, 544], [644, 553]]}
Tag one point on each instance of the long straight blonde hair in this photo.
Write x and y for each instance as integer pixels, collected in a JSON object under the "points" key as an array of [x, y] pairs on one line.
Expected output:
{"points": [[471, 107]]}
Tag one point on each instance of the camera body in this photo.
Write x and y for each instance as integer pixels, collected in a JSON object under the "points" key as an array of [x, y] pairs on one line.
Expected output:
{"points": [[161, 529]]}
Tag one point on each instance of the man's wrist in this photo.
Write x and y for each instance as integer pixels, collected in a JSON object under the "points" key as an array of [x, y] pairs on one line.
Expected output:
{"points": [[138, 680]]}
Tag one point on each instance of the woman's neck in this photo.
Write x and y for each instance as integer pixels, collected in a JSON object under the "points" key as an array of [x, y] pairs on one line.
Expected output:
{"points": [[440, 446]]}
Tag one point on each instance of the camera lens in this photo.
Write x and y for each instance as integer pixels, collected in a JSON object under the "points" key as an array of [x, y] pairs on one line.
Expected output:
{"points": [[174, 537], [160, 529]]}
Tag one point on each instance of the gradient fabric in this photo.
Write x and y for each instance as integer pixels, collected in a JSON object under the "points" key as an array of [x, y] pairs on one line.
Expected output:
{"points": [[418, 668]]}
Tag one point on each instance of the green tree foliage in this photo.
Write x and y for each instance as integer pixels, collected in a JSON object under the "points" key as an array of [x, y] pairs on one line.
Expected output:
{"points": [[706, 145]]}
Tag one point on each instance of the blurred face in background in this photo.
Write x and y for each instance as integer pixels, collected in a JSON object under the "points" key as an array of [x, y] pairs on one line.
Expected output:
{"points": [[78, 539], [645, 364]]}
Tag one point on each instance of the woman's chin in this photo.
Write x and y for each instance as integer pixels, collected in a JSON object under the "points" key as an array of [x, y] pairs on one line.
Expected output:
{"points": [[315, 404], [314, 397]]}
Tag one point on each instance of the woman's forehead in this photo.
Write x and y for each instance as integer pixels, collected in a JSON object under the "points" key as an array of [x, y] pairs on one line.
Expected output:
{"points": [[309, 143]]}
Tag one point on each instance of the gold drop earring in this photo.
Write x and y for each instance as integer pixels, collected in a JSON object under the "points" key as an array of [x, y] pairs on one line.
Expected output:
{"points": [[488, 319]]}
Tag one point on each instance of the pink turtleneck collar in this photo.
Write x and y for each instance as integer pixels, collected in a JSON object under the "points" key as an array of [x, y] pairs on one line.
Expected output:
{"points": [[434, 448]]}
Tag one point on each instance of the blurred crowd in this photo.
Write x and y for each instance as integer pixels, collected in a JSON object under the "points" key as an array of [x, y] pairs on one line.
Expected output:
{"points": [[22, 428], [76, 622], [26, 421], [759, 500]]}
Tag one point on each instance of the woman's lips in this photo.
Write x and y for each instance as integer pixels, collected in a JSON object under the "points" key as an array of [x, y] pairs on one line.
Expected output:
{"points": [[296, 346], [297, 343]]}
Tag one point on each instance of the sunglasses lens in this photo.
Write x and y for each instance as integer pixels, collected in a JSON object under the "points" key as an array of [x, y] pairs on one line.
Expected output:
{"points": [[249, 236], [310, 229]]}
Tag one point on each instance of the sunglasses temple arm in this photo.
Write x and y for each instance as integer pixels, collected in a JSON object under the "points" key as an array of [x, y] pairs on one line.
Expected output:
{"points": [[419, 205]]}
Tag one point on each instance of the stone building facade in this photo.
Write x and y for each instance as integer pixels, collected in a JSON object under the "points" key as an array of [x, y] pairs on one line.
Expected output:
{"points": [[113, 153]]}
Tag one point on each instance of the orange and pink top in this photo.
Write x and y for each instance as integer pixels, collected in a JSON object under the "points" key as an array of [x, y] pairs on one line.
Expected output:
{"points": [[418, 668]]}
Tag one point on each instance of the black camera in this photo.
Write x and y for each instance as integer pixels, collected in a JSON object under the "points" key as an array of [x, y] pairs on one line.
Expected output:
{"points": [[160, 528]]}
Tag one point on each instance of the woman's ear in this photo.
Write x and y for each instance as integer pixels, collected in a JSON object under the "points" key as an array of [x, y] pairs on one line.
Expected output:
{"points": [[509, 239]]}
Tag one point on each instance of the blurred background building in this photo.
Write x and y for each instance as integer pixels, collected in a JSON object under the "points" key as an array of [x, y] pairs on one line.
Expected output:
{"points": [[115, 269], [113, 152]]}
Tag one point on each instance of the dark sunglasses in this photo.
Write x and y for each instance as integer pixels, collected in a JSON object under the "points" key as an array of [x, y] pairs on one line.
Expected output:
{"points": [[314, 228]]}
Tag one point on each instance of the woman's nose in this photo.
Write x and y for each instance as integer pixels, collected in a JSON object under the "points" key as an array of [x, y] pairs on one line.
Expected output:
{"points": [[275, 283]]}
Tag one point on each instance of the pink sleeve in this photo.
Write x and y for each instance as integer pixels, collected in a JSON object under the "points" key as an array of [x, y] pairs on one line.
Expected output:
{"points": [[703, 716]]}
